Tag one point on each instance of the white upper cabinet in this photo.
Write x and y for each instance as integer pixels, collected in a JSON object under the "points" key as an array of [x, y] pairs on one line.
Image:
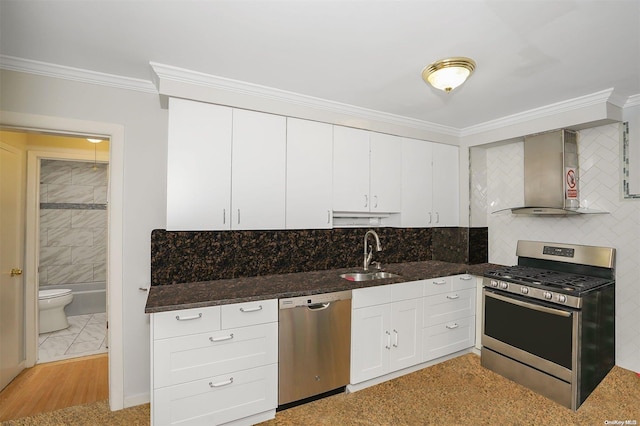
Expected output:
{"points": [[350, 169], [366, 171], [226, 168], [416, 184], [199, 166], [445, 185], [429, 184], [309, 174], [258, 170], [385, 173]]}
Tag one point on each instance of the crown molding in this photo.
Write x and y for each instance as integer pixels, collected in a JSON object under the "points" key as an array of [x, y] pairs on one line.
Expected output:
{"points": [[598, 98], [166, 73], [12, 63], [632, 101]]}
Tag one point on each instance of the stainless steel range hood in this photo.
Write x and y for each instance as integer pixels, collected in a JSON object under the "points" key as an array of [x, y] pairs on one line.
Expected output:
{"points": [[551, 179]]}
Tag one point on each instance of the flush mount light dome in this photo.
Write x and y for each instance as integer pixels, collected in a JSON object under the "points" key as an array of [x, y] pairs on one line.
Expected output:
{"points": [[447, 74], [94, 140]]}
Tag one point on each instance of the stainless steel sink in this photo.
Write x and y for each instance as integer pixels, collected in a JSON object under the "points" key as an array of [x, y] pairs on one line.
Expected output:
{"points": [[367, 275]]}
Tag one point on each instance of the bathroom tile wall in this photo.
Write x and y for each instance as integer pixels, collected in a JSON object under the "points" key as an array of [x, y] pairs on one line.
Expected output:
{"points": [[73, 223]]}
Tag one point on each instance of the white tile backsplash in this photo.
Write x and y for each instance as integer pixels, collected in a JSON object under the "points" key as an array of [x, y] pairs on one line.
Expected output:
{"points": [[600, 188]]}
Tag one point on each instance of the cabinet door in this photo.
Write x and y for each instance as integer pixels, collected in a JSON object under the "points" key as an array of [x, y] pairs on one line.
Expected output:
{"points": [[198, 166], [445, 185], [416, 184], [370, 342], [309, 174], [385, 165], [406, 334], [258, 170], [350, 170]]}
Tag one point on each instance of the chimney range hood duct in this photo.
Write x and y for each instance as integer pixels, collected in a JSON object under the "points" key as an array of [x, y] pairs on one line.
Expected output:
{"points": [[551, 182]]}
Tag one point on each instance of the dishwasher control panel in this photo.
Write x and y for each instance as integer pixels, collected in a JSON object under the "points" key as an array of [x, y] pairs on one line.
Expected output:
{"points": [[314, 299]]}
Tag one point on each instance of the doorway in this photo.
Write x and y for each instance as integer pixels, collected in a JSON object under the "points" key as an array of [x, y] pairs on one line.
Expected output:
{"points": [[72, 252]]}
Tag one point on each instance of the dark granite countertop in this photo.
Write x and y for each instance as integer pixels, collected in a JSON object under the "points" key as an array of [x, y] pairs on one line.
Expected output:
{"points": [[221, 292]]}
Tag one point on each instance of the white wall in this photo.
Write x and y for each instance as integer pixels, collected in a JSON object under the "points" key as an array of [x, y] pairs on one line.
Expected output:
{"points": [[599, 157], [145, 150]]}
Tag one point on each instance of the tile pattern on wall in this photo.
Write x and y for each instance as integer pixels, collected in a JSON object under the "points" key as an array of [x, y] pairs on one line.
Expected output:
{"points": [[600, 188], [73, 221]]}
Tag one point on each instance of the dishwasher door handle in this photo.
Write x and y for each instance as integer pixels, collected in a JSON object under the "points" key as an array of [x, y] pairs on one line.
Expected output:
{"points": [[318, 306]]}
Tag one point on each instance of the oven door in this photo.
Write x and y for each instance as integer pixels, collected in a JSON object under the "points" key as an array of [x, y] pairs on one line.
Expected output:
{"points": [[535, 333]]}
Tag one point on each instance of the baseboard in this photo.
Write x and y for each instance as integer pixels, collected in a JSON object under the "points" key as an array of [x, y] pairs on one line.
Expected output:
{"points": [[139, 399]]}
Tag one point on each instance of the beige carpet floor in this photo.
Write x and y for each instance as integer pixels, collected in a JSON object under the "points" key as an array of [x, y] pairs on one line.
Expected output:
{"points": [[455, 392]]}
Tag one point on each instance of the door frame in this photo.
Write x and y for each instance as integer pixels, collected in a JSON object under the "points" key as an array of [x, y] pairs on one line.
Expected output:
{"points": [[115, 133]]}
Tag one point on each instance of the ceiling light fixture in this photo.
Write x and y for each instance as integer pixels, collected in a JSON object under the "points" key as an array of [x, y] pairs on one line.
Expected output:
{"points": [[447, 74], [93, 140]]}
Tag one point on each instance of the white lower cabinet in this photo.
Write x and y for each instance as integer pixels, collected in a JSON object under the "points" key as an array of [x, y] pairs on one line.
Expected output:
{"points": [[449, 316], [397, 326], [385, 330], [215, 365]]}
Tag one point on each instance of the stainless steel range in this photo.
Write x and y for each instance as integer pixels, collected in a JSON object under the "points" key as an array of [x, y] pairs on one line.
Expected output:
{"points": [[549, 321]]}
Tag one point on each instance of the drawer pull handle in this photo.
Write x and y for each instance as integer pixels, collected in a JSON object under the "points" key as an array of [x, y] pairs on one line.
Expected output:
{"points": [[221, 339], [388, 346], [466, 278], [259, 308], [395, 344], [179, 318], [441, 282], [452, 297], [217, 385], [451, 327]]}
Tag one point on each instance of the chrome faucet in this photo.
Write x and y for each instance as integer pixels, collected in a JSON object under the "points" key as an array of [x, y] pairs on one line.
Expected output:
{"points": [[368, 250]]}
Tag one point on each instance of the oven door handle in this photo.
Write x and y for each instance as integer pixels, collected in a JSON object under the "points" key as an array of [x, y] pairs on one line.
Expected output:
{"points": [[533, 306]]}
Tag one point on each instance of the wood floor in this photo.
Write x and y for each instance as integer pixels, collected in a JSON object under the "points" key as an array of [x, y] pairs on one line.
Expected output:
{"points": [[55, 385]]}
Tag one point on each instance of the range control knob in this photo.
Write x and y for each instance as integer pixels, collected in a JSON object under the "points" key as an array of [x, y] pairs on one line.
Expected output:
{"points": [[494, 283], [547, 295], [524, 290], [562, 298], [503, 285]]}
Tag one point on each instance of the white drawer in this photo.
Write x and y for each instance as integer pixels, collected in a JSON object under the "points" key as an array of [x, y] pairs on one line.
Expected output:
{"points": [[370, 296], [446, 307], [186, 321], [249, 313], [217, 399], [447, 338], [463, 281], [186, 358], [406, 291], [436, 286]]}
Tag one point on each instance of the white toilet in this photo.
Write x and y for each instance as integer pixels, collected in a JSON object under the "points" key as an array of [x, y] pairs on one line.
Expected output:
{"points": [[51, 305]]}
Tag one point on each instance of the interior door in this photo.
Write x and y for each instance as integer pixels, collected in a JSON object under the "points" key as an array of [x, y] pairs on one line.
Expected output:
{"points": [[12, 353]]}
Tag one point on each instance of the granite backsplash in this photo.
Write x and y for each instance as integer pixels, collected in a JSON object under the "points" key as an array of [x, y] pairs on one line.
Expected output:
{"points": [[181, 256]]}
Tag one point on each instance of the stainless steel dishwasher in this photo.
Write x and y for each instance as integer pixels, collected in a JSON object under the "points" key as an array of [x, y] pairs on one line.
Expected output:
{"points": [[314, 347]]}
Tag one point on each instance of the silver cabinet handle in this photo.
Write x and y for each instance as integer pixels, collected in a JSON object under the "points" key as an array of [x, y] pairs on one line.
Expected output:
{"points": [[437, 217], [455, 296], [145, 289], [259, 308], [430, 217], [328, 216], [193, 317], [224, 216], [466, 278], [441, 282], [217, 385], [395, 344], [238, 216], [375, 201], [388, 346], [451, 327], [366, 200], [221, 339]]}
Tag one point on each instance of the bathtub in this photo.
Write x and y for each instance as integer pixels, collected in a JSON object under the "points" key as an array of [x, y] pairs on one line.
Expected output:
{"points": [[88, 298]]}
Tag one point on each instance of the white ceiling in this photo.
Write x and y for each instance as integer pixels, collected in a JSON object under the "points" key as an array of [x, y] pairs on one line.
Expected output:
{"points": [[369, 54]]}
